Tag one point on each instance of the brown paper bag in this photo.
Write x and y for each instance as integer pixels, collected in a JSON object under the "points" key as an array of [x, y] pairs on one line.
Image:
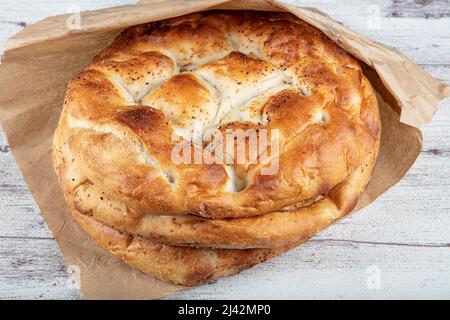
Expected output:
{"points": [[40, 60]]}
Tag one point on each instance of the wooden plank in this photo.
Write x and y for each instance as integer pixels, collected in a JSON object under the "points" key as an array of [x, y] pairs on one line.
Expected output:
{"points": [[420, 9], [28, 11], [336, 270], [33, 270], [427, 41], [426, 9]]}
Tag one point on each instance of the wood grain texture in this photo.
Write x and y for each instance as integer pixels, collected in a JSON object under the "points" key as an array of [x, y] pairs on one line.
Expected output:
{"points": [[404, 236]]}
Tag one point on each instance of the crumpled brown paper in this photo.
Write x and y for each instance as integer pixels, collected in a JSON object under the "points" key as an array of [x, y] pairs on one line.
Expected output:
{"points": [[40, 60]]}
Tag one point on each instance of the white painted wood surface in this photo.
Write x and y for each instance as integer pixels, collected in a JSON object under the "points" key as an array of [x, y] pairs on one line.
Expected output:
{"points": [[403, 237]]}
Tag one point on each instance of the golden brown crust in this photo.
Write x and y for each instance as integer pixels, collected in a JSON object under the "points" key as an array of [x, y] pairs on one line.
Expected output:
{"points": [[113, 149], [157, 80], [181, 265], [270, 230]]}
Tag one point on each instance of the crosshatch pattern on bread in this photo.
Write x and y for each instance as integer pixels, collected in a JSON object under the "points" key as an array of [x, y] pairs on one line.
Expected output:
{"points": [[190, 222]]}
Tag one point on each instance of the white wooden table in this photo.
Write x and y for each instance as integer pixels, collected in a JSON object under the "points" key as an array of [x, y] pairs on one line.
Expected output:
{"points": [[399, 247]]}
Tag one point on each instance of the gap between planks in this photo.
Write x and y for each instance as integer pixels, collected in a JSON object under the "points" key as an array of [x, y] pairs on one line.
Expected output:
{"points": [[319, 241]]}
